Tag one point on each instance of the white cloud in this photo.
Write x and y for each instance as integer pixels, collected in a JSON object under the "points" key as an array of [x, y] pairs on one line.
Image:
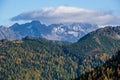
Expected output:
{"points": [[64, 14]]}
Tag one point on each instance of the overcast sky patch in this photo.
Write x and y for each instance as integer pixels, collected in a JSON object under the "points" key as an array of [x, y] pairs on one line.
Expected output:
{"points": [[66, 14]]}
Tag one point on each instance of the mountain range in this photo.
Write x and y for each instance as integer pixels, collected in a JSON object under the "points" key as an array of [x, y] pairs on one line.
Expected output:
{"points": [[61, 32], [41, 59]]}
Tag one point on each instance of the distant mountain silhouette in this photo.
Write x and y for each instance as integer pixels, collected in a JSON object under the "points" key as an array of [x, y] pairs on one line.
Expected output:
{"points": [[61, 32]]}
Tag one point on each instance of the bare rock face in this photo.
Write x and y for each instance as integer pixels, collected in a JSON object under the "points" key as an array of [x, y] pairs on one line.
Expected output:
{"points": [[6, 33], [62, 32], [71, 32]]}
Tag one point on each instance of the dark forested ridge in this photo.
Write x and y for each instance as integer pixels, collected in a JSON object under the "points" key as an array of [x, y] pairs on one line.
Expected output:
{"points": [[109, 71], [37, 58]]}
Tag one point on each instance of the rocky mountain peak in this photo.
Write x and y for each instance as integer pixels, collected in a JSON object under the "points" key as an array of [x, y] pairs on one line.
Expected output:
{"points": [[63, 32]]}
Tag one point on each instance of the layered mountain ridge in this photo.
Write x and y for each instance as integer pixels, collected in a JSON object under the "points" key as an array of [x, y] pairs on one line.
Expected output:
{"points": [[41, 59], [62, 32]]}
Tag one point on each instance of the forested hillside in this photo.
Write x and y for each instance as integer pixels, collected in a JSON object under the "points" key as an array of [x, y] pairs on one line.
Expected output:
{"points": [[37, 58], [96, 47], [109, 71]]}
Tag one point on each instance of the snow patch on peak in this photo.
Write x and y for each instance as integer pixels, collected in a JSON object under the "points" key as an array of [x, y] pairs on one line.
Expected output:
{"points": [[75, 34], [58, 29]]}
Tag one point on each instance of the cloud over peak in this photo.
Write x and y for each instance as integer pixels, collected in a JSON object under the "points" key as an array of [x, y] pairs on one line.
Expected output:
{"points": [[65, 14]]}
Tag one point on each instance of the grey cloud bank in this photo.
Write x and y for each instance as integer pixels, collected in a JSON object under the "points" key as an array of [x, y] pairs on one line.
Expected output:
{"points": [[65, 14]]}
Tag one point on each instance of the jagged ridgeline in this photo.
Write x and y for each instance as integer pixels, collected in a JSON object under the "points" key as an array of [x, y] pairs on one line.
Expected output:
{"points": [[63, 32], [40, 59], [109, 71]]}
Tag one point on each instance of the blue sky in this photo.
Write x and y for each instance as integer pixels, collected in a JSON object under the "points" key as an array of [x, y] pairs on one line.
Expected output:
{"points": [[14, 8]]}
